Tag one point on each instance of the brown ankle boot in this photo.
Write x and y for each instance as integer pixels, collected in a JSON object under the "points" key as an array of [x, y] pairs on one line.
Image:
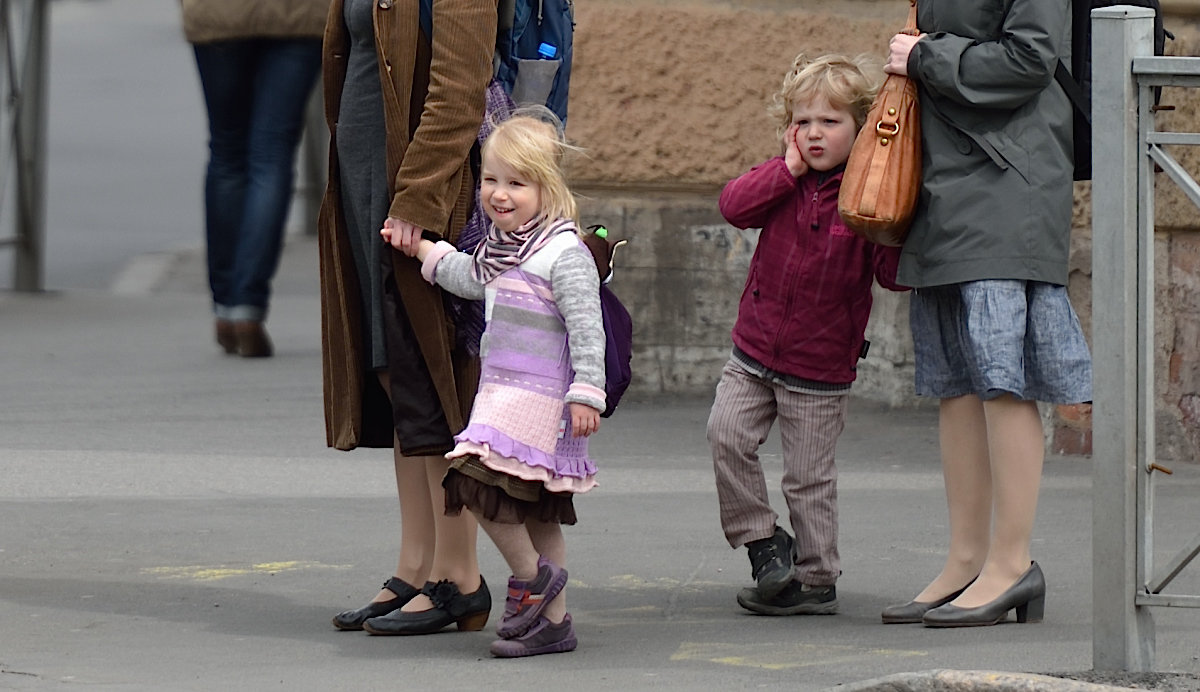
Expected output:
{"points": [[226, 339], [252, 339]]}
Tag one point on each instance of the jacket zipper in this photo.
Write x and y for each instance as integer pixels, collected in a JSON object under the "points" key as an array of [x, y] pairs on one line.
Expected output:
{"points": [[791, 293]]}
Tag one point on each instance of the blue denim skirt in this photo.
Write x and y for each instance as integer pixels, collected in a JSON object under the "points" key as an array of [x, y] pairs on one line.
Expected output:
{"points": [[997, 337]]}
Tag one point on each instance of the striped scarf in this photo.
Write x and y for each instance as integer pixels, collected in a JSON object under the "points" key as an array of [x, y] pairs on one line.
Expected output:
{"points": [[503, 250]]}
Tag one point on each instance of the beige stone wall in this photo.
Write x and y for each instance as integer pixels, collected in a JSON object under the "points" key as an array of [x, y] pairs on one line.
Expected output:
{"points": [[1183, 8], [668, 97]]}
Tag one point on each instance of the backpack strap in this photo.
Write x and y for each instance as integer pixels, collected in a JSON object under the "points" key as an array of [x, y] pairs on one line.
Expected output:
{"points": [[1074, 92], [506, 11]]}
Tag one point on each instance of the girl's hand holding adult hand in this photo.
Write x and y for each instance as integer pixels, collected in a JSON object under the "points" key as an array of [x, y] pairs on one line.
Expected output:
{"points": [[792, 157], [402, 235], [898, 49], [585, 420]]}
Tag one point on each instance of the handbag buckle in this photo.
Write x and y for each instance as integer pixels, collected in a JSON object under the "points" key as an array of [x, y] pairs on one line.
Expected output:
{"points": [[885, 129]]}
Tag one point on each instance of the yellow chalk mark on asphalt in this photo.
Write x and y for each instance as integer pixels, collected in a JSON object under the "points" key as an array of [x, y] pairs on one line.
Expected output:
{"points": [[781, 656], [214, 573], [634, 610], [633, 581]]}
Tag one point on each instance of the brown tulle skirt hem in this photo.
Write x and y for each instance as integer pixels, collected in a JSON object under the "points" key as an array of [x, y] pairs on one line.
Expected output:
{"points": [[502, 498]]}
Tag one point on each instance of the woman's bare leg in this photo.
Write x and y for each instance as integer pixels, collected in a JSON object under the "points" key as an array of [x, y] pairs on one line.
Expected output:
{"points": [[417, 536], [1017, 452], [454, 555], [963, 434], [433, 546]]}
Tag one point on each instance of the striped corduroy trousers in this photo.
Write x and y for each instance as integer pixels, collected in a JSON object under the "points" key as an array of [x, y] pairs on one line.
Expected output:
{"points": [[742, 414]]}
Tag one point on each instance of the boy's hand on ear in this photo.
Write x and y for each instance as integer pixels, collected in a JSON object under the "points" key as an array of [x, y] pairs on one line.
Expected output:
{"points": [[791, 154]]}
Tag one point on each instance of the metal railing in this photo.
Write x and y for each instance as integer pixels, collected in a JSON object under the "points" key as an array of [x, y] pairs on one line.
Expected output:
{"points": [[1126, 148], [23, 47]]}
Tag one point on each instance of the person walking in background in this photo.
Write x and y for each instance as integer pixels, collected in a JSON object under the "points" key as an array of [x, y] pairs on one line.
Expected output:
{"points": [[404, 113], [993, 329], [797, 339], [524, 452], [258, 62]]}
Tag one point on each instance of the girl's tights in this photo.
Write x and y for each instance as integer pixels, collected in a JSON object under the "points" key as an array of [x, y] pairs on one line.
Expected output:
{"points": [[521, 544]]}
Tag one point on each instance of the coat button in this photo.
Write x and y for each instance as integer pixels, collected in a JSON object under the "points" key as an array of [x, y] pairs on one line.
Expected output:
{"points": [[385, 4], [962, 143]]}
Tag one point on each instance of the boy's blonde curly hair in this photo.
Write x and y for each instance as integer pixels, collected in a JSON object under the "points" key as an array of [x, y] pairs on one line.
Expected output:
{"points": [[849, 83]]}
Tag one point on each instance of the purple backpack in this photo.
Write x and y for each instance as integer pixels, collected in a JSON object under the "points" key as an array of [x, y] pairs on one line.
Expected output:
{"points": [[618, 325], [618, 348]]}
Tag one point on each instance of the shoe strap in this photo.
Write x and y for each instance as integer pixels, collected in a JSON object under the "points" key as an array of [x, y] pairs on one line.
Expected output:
{"points": [[401, 588]]}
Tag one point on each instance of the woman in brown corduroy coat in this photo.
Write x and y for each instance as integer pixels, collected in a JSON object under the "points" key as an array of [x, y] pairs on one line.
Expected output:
{"points": [[403, 114]]}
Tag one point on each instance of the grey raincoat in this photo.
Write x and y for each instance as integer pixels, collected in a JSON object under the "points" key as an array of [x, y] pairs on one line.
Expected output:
{"points": [[996, 192]]}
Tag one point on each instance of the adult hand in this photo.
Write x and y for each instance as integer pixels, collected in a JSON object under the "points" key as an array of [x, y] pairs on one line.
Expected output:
{"points": [[796, 164], [898, 49], [585, 420], [402, 235]]}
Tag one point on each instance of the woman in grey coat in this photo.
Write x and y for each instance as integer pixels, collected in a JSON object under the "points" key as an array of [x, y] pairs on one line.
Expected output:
{"points": [[992, 327]]}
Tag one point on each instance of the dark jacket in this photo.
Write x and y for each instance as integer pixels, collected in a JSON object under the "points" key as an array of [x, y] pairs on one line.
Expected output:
{"points": [[205, 21], [433, 102], [808, 296], [996, 194]]}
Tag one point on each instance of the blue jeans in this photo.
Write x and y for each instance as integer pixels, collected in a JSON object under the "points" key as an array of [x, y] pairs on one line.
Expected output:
{"points": [[255, 91]]}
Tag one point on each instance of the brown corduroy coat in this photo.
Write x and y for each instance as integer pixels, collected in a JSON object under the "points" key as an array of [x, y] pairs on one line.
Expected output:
{"points": [[433, 99]]}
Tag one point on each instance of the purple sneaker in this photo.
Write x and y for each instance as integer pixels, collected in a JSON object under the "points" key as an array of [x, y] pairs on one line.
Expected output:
{"points": [[527, 599], [543, 637]]}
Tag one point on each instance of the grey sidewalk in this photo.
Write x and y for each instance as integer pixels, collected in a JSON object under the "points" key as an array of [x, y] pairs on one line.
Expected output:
{"points": [[171, 519]]}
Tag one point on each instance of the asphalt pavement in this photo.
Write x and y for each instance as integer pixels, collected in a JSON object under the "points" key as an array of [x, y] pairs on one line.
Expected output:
{"points": [[170, 518]]}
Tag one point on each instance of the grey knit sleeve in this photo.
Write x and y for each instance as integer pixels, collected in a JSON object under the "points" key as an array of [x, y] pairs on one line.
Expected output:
{"points": [[454, 274], [576, 287]]}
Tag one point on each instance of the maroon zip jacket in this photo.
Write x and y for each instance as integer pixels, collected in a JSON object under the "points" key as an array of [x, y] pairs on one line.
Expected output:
{"points": [[808, 296]]}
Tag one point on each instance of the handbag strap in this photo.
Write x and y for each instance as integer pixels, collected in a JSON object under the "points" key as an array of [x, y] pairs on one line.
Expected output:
{"points": [[910, 26]]}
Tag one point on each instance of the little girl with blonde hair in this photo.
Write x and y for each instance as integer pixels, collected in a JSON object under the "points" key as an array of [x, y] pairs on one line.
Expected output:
{"points": [[523, 455]]}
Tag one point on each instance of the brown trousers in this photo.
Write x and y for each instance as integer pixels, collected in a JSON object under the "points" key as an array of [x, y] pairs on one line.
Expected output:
{"points": [[809, 425]]}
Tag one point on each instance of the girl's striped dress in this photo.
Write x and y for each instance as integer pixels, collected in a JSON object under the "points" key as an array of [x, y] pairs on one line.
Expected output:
{"points": [[542, 348]]}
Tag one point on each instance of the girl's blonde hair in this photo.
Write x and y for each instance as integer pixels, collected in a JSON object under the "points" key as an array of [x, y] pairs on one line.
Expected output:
{"points": [[849, 83], [533, 144]]}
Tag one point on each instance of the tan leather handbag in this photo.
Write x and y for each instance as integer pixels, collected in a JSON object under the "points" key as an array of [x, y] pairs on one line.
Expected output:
{"points": [[883, 174]]}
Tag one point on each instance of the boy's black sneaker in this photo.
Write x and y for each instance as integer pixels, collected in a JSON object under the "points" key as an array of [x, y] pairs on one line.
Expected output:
{"points": [[794, 599], [771, 563]]}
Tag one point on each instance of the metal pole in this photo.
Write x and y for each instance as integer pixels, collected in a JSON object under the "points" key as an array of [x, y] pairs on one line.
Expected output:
{"points": [[30, 121], [1123, 633]]}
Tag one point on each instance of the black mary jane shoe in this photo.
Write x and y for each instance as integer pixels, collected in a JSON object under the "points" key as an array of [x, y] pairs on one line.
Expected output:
{"points": [[912, 612], [354, 619], [1027, 596], [469, 611]]}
